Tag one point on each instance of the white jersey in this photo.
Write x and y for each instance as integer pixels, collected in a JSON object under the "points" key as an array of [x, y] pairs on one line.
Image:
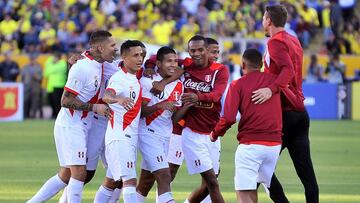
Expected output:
{"points": [[124, 123], [159, 122], [84, 80], [109, 70]]}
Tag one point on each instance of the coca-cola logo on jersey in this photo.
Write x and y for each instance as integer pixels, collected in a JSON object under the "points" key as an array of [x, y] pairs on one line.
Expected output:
{"points": [[199, 86]]}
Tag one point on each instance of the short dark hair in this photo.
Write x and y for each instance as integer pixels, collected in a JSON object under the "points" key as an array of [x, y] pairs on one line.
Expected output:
{"points": [[198, 38], [99, 36], [253, 57], [140, 43], [277, 14], [210, 40], [125, 46], [163, 51]]}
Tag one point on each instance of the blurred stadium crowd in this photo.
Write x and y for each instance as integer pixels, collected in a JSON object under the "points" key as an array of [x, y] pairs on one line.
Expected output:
{"points": [[58, 27], [31, 26]]}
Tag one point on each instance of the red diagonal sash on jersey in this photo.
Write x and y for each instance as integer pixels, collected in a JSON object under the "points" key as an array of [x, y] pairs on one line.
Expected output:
{"points": [[94, 99], [132, 113], [153, 116]]}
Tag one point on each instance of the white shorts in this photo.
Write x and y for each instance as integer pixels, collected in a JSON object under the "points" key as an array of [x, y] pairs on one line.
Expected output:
{"points": [[96, 143], [154, 150], [70, 144], [121, 158], [254, 164], [200, 153], [175, 154]]}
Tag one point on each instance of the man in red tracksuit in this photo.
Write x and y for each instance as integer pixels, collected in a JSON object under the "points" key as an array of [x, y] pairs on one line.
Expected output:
{"points": [[259, 130], [284, 58], [204, 83]]}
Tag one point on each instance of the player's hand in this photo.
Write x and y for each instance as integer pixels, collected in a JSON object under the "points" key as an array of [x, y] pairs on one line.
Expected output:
{"points": [[167, 105], [189, 98], [73, 58], [149, 72], [261, 95], [103, 109], [126, 102], [158, 87], [213, 138], [188, 105]]}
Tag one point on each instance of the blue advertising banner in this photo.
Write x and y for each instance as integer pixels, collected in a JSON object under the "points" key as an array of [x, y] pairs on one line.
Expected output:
{"points": [[321, 100]]}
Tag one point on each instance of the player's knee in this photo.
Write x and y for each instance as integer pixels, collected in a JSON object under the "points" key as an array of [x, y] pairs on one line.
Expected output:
{"points": [[110, 183], [64, 174], [129, 182], [211, 182], [89, 176], [163, 175], [78, 172], [173, 171]]}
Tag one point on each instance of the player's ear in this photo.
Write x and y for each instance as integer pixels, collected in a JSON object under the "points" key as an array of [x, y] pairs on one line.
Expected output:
{"points": [[158, 63]]}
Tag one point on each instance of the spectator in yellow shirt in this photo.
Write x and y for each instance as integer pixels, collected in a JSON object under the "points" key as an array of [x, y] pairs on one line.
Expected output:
{"points": [[8, 26], [47, 37]]}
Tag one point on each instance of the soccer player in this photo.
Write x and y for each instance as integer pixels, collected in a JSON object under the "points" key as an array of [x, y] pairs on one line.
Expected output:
{"points": [[70, 130], [259, 130], [124, 96], [214, 53], [284, 58], [109, 188], [156, 126], [204, 84]]}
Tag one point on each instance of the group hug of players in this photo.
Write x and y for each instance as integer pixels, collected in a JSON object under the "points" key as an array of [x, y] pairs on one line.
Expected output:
{"points": [[169, 109]]}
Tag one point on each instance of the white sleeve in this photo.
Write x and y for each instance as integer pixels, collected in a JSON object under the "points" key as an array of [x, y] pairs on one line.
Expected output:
{"points": [[76, 79], [115, 85], [146, 85]]}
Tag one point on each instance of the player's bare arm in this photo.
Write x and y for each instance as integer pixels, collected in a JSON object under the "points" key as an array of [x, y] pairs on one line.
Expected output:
{"points": [[158, 86], [110, 97], [69, 100], [148, 110]]}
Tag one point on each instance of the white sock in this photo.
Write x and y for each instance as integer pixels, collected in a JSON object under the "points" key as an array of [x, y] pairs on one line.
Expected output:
{"points": [[129, 195], [207, 199], [103, 194], [48, 190], [186, 201], [166, 198], [140, 197], [115, 196], [63, 198], [75, 189], [157, 196]]}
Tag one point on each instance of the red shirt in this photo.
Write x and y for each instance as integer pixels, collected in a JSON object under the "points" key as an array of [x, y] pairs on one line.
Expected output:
{"points": [[284, 58], [209, 84], [259, 122]]}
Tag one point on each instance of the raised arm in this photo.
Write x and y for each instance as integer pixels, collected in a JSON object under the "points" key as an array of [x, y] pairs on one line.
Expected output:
{"points": [[280, 56]]}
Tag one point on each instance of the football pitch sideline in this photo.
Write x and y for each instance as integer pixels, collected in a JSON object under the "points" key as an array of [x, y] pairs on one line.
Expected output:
{"points": [[28, 158]]}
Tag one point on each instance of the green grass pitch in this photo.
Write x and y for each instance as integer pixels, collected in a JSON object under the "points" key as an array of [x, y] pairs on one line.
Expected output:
{"points": [[28, 159]]}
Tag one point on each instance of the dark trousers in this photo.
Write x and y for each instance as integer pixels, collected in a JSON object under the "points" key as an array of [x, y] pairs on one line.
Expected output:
{"points": [[296, 140], [55, 101]]}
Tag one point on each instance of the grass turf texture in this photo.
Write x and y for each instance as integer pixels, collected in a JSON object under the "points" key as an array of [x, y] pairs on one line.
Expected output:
{"points": [[28, 159]]}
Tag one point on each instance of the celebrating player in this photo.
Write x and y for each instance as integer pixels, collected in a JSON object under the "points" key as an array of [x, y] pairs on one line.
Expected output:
{"points": [[259, 131], [70, 131]]}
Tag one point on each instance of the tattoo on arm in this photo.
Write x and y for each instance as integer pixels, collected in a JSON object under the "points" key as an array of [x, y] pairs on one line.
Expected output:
{"points": [[110, 97], [69, 100]]}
